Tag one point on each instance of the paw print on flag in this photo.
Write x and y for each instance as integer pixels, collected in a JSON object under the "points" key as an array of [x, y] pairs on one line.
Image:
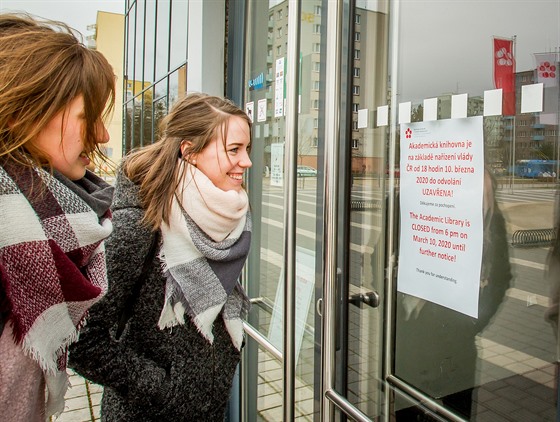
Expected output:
{"points": [[547, 70], [504, 57], [408, 133]]}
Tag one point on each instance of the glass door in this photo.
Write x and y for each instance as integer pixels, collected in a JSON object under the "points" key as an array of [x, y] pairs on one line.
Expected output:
{"points": [[474, 335], [318, 190], [283, 79], [464, 285], [404, 194], [355, 288]]}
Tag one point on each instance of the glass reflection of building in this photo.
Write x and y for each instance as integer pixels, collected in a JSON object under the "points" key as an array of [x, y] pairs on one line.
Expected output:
{"points": [[534, 138], [157, 49], [368, 33], [107, 38], [155, 54]]}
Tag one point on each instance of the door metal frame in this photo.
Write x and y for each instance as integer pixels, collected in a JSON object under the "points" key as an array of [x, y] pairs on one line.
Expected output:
{"points": [[290, 207], [330, 228]]}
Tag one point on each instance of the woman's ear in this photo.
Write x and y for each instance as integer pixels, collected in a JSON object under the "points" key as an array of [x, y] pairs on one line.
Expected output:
{"points": [[185, 145], [190, 157]]}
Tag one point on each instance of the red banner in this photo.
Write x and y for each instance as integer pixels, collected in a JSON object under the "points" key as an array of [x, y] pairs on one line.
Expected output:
{"points": [[504, 73]]}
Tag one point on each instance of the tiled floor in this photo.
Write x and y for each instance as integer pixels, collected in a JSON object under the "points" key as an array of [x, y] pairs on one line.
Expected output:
{"points": [[506, 399], [83, 401], [518, 398]]}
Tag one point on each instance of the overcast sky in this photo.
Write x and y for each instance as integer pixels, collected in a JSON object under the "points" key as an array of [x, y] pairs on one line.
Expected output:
{"points": [[76, 13], [448, 43]]}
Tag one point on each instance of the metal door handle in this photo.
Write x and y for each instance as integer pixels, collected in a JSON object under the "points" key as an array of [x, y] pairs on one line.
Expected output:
{"points": [[370, 298]]}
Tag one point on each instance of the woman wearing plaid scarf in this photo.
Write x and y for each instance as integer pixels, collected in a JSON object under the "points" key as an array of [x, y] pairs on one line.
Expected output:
{"points": [[54, 214], [177, 355]]}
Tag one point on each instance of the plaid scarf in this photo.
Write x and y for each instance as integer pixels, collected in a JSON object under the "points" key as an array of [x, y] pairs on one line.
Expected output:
{"points": [[52, 262], [205, 246]]}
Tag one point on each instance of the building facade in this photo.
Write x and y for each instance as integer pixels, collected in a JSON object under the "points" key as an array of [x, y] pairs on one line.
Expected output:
{"points": [[108, 38]]}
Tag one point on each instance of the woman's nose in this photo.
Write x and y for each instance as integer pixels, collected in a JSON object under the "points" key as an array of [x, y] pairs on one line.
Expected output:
{"points": [[104, 135], [246, 161]]}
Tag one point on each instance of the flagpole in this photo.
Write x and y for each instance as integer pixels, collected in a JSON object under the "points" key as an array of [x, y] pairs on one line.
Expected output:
{"points": [[557, 61], [514, 39]]}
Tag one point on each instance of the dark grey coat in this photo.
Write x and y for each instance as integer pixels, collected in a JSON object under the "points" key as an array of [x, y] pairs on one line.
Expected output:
{"points": [[149, 374]]}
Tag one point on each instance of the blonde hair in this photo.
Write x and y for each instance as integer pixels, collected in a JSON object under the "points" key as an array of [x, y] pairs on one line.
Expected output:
{"points": [[156, 168], [43, 68]]}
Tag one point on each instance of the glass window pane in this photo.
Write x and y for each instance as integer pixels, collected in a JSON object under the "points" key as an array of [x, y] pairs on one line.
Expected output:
{"points": [[177, 84], [179, 31], [149, 46], [139, 46], [265, 101], [162, 40], [159, 112], [130, 48], [459, 359]]}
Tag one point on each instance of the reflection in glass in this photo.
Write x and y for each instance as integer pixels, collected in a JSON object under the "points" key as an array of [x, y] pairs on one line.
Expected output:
{"points": [[177, 84], [141, 119], [150, 90], [265, 94], [149, 47], [139, 47], [158, 113], [447, 371], [161, 89], [179, 23], [503, 361], [129, 53], [162, 38], [368, 201]]}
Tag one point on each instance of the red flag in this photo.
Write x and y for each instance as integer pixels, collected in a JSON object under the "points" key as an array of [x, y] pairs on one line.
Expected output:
{"points": [[504, 73]]}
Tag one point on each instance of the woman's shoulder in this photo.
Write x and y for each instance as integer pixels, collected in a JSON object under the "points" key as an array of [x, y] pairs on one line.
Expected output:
{"points": [[126, 192]]}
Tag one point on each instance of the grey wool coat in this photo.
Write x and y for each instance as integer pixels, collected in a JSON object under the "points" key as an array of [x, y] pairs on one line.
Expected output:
{"points": [[149, 374]]}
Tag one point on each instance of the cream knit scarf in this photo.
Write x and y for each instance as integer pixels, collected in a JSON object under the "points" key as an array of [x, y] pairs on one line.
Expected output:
{"points": [[205, 246]]}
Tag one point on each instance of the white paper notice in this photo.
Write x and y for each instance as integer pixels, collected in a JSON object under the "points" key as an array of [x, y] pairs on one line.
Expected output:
{"points": [[442, 172], [459, 106], [277, 164], [261, 110], [363, 115], [405, 110], [430, 109], [382, 115], [250, 110], [493, 102], [305, 286], [279, 88], [532, 98]]}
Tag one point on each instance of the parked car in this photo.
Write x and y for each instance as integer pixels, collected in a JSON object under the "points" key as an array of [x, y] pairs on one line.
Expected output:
{"points": [[306, 171]]}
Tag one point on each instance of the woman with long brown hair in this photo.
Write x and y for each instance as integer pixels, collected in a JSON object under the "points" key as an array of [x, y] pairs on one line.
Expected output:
{"points": [[54, 214], [175, 357]]}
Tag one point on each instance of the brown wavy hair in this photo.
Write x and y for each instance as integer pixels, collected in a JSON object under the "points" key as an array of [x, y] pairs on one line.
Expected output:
{"points": [[156, 168], [43, 68]]}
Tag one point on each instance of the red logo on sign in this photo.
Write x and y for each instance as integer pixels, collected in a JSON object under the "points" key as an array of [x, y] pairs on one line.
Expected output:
{"points": [[408, 133], [547, 70]]}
